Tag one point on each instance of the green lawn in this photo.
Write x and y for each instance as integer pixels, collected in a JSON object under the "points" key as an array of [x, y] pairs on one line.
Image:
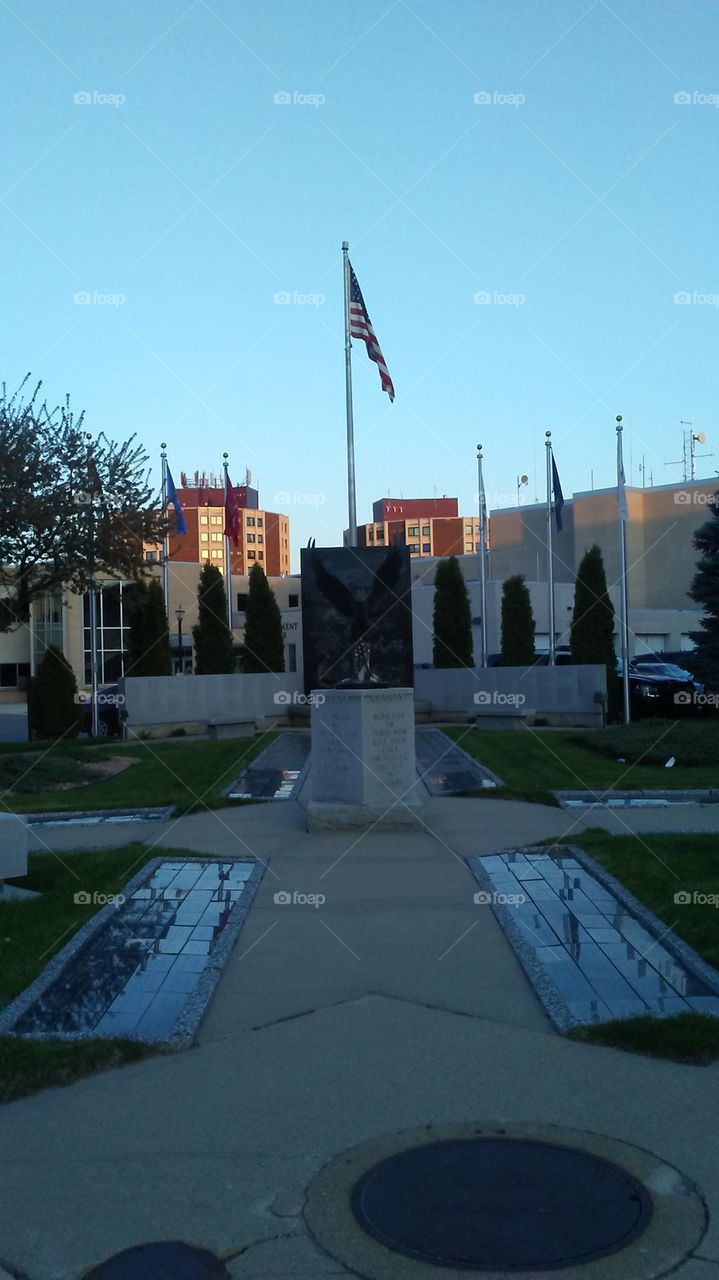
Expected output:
{"points": [[189, 775], [654, 869], [31, 932], [533, 763]]}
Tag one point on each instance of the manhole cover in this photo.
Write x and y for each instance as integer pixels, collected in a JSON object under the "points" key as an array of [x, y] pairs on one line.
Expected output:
{"points": [[167, 1260], [500, 1204]]}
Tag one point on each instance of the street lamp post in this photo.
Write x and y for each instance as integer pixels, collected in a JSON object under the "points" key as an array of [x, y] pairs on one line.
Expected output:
{"points": [[179, 614]]}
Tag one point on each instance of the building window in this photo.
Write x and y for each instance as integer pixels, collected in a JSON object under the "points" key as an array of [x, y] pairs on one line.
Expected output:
{"points": [[217, 537], [14, 674], [216, 553], [204, 537], [241, 601], [250, 537], [216, 520], [380, 535], [370, 535], [469, 547], [151, 557], [425, 530], [293, 601], [413, 531], [260, 537], [204, 519], [113, 616], [292, 657], [426, 547], [260, 555], [250, 555], [649, 643], [250, 522], [260, 522]]}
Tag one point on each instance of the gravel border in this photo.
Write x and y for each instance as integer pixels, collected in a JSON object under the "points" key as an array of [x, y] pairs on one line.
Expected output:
{"points": [[701, 795], [554, 1003], [90, 817], [189, 1020]]}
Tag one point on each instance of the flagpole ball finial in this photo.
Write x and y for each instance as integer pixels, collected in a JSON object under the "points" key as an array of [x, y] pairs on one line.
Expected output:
{"points": [[225, 456], [619, 417], [345, 244], [548, 434]]}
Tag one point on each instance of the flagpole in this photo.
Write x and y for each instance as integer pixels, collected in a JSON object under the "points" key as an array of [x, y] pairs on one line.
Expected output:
{"points": [[228, 553], [623, 597], [482, 549], [351, 492], [95, 719], [165, 536], [550, 563]]}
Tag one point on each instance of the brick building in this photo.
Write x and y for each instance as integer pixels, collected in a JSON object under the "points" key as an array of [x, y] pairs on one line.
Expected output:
{"points": [[264, 535], [429, 526]]}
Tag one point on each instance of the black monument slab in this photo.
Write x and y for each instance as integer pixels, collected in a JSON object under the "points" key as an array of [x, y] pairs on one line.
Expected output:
{"points": [[357, 617]]}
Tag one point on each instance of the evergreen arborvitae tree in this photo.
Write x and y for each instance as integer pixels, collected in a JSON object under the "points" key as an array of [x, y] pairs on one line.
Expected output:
{"points": [[517, 623], [212, 636], [54, 709], [452, 617], [705, 591], [264, 647], [148, 651], [592, 631]]}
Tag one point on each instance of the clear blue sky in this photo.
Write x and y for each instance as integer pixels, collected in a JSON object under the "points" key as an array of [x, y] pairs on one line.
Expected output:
{"points": [[197, 198]]}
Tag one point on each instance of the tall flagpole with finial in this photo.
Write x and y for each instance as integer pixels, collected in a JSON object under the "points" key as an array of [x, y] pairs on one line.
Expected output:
{"points": [[351, 492], [623, 597], [228, 553], [550, 560], [166, 535], [482, 552], [91, 489]]}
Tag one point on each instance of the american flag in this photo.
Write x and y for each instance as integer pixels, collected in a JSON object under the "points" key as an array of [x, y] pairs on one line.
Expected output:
{"points": [[361, 327]]}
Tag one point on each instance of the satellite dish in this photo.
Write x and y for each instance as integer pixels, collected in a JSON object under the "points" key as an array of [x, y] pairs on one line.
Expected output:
{"points": [[701, 438], [524, 480]]}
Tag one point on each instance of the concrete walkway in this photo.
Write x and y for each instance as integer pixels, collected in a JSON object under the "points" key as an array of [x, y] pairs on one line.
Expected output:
{"points": [[395, 1003]]}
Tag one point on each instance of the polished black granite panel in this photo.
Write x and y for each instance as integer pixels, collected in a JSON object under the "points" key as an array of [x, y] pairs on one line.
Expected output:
{"points": [[577, 939], [134, 974], [445, 768], [274, 774]]}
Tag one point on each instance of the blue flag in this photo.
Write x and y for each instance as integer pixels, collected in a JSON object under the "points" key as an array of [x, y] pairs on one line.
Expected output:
{"points": [[558, 496], [172, 499]]}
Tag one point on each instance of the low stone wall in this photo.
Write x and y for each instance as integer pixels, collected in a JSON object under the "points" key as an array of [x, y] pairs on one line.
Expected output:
{"points": [[159, 704], [560, 695]]}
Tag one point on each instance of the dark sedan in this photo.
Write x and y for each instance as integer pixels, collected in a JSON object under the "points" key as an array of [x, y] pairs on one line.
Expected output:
{"points": [[109, 705], [660, 689]]}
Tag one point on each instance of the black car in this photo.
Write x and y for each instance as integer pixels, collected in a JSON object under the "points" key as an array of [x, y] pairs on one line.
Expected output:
{"points": [[109, 706], [660, 689]]}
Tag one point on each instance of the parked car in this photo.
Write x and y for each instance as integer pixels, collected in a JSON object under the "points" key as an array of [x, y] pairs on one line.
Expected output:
{"points": [[659, 689], [109, 719]]}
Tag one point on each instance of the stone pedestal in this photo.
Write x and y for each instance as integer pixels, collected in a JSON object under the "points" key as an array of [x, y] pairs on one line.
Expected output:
{"points": [[363, 769], [13, 846]]}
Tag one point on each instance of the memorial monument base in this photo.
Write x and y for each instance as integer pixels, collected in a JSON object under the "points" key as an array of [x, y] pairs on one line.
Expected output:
{"points": [[363, 772]]}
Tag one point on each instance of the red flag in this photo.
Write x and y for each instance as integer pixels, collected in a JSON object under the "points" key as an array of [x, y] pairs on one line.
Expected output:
{"points": [[232, 512]]}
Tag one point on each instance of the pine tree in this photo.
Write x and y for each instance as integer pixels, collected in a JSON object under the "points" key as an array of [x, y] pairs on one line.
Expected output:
{"points": [[264, 647], [212, 636], [452, 617], [517, 623], [148, 651], [705, 591], [592, 631], [54, 709]]}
